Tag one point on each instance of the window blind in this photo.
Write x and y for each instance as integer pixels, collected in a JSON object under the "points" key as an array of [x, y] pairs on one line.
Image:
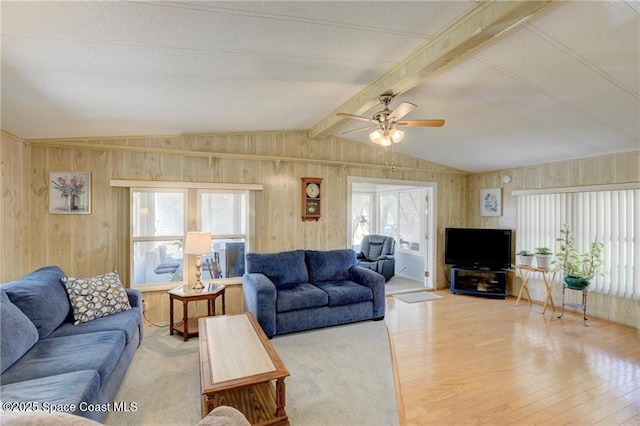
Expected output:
{"points": [[610, 217]]}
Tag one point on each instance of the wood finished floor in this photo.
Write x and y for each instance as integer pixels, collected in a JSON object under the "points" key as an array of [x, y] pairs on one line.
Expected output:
{"points": [[470, 360]]}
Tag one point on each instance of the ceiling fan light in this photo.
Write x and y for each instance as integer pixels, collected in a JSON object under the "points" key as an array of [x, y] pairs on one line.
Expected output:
{"points": [[385, 140], [375, 136], [397, 135]]}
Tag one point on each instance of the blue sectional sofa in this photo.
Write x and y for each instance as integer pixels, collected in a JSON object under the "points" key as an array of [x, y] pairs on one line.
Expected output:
{"points": [[305, 289], [50, 362]]}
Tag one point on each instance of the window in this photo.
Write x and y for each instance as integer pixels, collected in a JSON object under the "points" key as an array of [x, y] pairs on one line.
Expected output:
{"points": [[409, 220], [400, 217], [360, 217], [158, 229], [609, 216], [388, 214], [224, 215], [163, 212]]}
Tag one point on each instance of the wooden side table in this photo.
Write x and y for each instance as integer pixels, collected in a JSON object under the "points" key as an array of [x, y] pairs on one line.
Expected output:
{"points": [[548, 275], [189, 326]]}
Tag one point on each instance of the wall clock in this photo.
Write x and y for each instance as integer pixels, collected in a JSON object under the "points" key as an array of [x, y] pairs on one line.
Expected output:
{"points": [[311, 198]]}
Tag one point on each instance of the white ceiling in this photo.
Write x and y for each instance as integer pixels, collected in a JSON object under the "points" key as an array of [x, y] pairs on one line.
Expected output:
{"points": [[563, 84]]}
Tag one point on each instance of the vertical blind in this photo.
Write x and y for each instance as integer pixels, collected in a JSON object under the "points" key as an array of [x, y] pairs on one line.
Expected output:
{"points": [[610, 217]]}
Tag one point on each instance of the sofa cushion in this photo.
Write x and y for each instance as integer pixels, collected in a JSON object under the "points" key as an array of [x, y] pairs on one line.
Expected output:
{"points": [[285, 269], [331, 265], [56, 390], [96, 297], [42, 298], [98, 351], [345, 292], [127, 321], [17, 331], [302, 296]]}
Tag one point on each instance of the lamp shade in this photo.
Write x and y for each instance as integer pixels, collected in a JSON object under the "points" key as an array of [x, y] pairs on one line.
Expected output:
{"points": [[386, 135], [385, 140], [397, 135], [375, 136], [197, 243]]}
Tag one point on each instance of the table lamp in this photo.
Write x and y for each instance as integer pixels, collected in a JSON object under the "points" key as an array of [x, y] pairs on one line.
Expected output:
{"points": [[198, 243]]}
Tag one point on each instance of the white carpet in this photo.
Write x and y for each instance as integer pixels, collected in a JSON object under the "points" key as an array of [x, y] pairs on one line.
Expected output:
{"points": [[164, 380], [401, 284], [421, 296], [339, 375]]}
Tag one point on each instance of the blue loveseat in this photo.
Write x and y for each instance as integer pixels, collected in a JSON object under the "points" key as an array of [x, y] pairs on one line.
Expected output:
{"points": [[305, 289], [49, 361]]}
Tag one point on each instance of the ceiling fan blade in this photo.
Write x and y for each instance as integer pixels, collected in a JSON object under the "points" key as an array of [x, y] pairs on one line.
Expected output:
{"points": [[355, 117], [422, 123], [360, 129], [403, 109]]}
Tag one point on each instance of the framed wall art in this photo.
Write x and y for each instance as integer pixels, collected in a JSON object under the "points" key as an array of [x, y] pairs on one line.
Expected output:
{"points": [[491, 202], [70, 192]]}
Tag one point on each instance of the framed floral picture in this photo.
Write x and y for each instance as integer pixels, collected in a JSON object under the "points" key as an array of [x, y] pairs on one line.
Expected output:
{"points": [[70, 192], [491, 202]]}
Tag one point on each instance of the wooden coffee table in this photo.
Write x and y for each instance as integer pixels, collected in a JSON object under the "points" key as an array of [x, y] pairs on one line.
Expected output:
{"points": [[238, 367]]}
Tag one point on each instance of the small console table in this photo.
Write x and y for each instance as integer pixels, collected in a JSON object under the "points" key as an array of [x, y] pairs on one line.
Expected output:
{"points": [[185, 294], [548, 275]]}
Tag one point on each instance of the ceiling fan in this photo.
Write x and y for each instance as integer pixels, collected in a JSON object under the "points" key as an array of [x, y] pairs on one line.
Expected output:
{"points": [[386, 122]]}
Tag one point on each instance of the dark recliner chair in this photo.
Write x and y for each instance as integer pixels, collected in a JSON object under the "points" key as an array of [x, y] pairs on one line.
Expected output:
{"points": [[377, 253]]}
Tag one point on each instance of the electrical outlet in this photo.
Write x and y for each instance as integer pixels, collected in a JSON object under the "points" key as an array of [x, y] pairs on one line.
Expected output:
{"points": [[145, 305]]}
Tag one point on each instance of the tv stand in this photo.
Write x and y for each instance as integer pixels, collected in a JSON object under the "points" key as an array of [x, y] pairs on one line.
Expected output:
{"points": [[479, 282]]}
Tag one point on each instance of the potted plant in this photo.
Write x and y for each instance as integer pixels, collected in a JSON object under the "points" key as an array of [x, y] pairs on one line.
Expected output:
{"points": [[543, 257], [578, 268], [525, 257]]}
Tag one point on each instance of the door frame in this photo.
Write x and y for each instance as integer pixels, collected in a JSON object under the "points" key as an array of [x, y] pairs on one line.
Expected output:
{"points": [[429, 227]]}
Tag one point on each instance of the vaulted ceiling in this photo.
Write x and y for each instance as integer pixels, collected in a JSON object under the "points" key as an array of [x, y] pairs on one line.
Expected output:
{"points": [[518, 83]]}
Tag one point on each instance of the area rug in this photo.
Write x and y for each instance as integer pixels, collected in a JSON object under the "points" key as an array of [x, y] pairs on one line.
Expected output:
{"points": [[163, 380], [339, 375], [421, 296]]}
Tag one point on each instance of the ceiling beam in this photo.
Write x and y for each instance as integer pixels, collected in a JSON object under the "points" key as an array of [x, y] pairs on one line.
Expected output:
{"points": [[482, 24]]}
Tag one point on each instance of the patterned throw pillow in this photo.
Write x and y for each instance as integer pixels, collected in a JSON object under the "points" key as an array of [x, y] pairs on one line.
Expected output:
{"points": [[96, 297]]}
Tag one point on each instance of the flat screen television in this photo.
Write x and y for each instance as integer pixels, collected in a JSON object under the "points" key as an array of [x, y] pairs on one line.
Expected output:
{"points": [[477, 248]]}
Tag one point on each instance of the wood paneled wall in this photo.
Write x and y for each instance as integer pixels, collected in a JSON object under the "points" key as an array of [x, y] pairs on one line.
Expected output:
{"points": [[607, 169], [85, 245], [14, 181]]}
